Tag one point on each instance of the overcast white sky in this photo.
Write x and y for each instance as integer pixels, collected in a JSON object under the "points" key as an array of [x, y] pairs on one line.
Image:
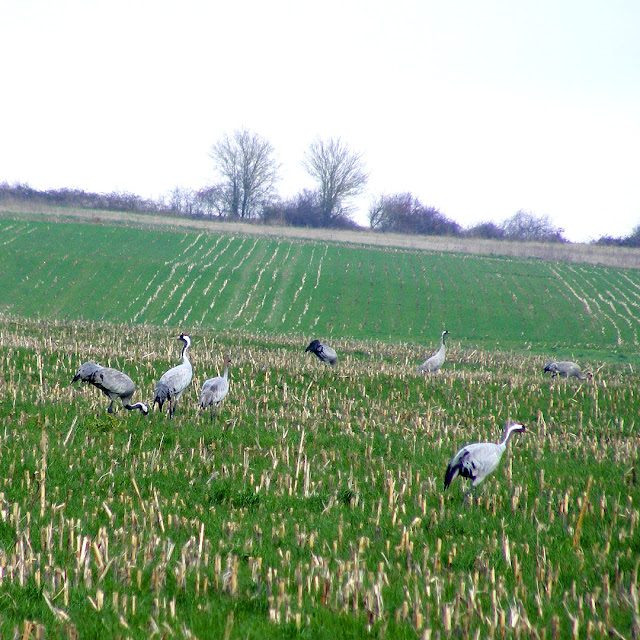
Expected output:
{"points": [[478, 107]]}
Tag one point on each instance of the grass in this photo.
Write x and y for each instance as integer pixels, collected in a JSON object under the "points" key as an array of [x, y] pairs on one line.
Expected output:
{"points": [[620, 257], [313, 504], [76, 271]]}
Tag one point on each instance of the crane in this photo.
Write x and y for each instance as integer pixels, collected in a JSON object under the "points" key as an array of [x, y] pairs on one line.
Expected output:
{"points": [[476, 461], [433, 364], [214, 390], [566, 369], [113, 383], [173, 382], [324, 352]]}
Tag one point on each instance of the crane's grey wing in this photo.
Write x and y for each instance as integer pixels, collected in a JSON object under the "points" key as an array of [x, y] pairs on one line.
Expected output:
{"points": [[206, 399], [566, 368], [432, 364], [213, 391], [177, 378], [162, 394], [116, 382], [323, 352], [460, 465], [168, 376], [483, 458], [473, 461], [329, 355], [218, 389]]}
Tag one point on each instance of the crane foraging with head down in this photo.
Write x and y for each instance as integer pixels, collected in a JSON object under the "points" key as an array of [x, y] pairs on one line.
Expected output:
{"points": [[324, 352], [214, 390], [566, 369], [113, 383], [175, 381], [476, 461], [435, 362]]}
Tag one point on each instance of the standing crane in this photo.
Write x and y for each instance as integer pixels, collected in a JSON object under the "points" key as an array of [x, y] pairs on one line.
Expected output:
{"points": [[214, 390], [476, 461], [176, 380], [324, 352], [433, 364], [113, 383]]}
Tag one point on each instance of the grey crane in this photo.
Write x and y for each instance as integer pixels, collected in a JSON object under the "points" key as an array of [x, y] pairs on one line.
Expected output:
{"points": [[324, 352], [566, 369], [175, 381], [433, 364], [113, 383], [214, 390], [476, 461]]}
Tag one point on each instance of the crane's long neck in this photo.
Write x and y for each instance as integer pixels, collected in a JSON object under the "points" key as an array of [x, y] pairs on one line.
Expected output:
{"points": [[185, 355], [510, 431]]}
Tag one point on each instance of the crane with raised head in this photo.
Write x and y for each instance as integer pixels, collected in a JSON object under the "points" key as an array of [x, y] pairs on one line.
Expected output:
{"points": [[476, 461], [435, 362], [215, 390], [173, 382]]}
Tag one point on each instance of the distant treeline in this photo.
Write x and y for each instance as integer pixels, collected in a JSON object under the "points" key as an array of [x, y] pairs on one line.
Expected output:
{"points": [[116, 201], [398, 213]]}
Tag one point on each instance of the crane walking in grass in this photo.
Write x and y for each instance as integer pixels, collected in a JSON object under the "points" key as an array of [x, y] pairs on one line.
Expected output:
{"points": [[215, 390], [113, 383], [566, 369], [324, 352], [476, 461], [173, 382], [435, 362]]}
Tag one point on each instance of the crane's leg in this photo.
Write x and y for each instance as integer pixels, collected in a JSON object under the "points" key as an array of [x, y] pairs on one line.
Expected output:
{"points": [[473, 489], [110, 409]]}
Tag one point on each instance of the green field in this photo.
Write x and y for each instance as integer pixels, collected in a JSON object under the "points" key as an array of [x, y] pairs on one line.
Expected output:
{"points": [[187, 279], [312, 506]]}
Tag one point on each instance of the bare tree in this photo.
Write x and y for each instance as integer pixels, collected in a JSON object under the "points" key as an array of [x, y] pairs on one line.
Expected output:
{"points": [[488, 230], [524, 225], [245, 162], [340, 173], [181, 201], [403, 213], [212, 201]]}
